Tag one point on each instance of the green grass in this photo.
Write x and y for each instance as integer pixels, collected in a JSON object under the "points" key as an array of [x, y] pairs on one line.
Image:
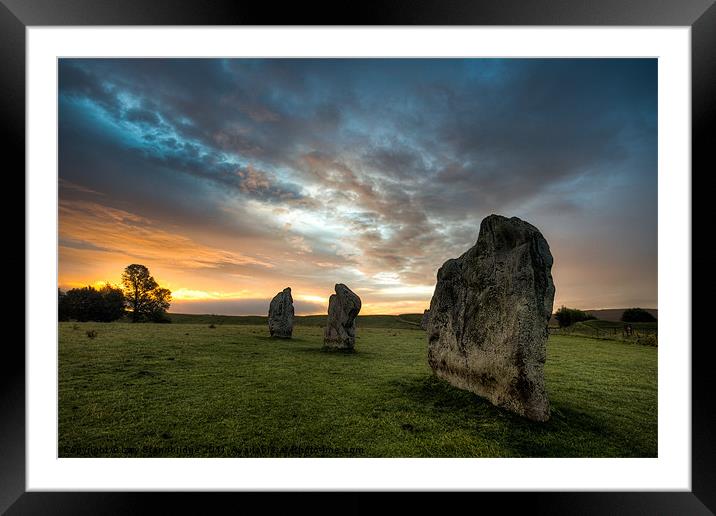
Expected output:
{"points": [[149, 390], [608, 325], [642, 333]]}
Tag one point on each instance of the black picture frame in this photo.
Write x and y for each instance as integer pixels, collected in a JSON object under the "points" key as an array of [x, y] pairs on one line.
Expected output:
{"points": [[700, 15]]}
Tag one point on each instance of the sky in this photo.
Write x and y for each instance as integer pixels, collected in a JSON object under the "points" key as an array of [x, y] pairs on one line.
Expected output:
{"points": [[231, 179]]}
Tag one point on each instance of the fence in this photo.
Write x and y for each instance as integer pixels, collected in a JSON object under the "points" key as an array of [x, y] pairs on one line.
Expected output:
{"points": [[640, 335]]}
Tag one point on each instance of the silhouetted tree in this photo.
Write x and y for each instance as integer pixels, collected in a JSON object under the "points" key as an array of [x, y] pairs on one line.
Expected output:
{"points": [[112, 302], [637, 315], [90, 304], [145, 298], [568, 316], [160, 299], [63, 313]]}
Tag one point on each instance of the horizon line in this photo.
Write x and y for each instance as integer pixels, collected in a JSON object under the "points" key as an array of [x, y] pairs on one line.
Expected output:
{"points": [[391, 315]]}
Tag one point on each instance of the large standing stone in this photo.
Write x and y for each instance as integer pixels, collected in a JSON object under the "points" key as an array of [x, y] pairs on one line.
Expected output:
{"points": [[425, 319], [487, 331], [280, 317], [343, 308]]}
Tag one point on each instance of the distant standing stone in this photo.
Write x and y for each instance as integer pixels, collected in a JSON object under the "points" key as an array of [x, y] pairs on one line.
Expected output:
{"points": [[343, 308], [280, 317], [425, 319], [487, 331]]}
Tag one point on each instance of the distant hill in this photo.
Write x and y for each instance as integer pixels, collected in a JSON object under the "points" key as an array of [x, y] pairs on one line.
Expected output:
{"points": [[610, 314], [366, 321]]}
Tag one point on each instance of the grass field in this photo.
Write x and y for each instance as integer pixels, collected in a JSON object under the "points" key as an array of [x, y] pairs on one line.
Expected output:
{"points": [[642, 333], [148, 390]]}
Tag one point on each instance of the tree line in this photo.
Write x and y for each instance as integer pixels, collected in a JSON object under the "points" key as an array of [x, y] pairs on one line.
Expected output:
{"points": [[140, 298], [568, 316]]}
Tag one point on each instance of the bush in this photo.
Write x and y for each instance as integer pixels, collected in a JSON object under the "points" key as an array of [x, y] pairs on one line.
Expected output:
{"points": [[637, 315], [90, 304], [648, 339], [568, 316], [160, 317]]}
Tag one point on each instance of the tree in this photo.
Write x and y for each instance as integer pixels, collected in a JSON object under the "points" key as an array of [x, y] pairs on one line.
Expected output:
{"points": [[90, 304], [568, 316], [145, 298], [637, 315], [63, 312], [81, 303], [112, 302], [159, 304]]}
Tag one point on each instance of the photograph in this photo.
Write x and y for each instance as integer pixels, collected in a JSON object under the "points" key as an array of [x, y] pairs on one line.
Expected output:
{"points": [[315, 257], [422, 249]]}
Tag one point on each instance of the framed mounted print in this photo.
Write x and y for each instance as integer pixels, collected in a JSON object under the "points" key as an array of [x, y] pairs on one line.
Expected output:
{"points": [[442, 249]]}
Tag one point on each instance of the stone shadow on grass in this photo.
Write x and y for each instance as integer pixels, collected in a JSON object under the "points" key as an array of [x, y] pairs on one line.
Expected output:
{"points": [[279, 340], [519, 435], [309, 346], [323, 350]]}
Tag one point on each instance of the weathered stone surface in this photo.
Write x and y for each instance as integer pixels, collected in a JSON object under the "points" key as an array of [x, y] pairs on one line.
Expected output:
{"points": [[343, 308], [487, 331], [425, 319], [280, 317]]}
